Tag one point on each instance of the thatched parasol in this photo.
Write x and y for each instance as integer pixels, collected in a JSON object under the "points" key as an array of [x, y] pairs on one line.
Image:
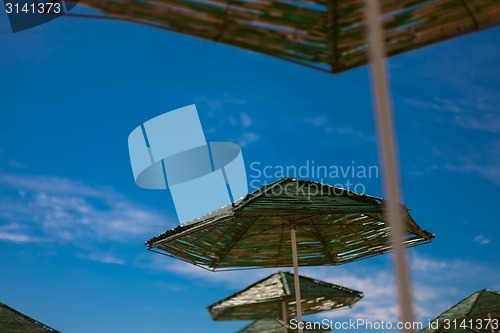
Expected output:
{"points": [[13, 321], [478, 313], [326, 35], [274, 297]]}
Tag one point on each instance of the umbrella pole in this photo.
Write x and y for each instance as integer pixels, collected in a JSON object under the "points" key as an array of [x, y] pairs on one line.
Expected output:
{"points": [[387, 151], [296, 280], [285, 316], [491, 324]]}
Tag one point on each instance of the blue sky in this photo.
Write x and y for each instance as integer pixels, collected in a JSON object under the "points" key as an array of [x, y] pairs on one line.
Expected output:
{"points": [[73, 223]]}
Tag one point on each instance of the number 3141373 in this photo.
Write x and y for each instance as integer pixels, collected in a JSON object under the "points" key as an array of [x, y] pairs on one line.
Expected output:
{"points": [[33, 8]]}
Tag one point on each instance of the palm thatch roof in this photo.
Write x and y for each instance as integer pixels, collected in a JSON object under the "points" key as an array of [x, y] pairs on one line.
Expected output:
{"points": [[266, 298], [276, 326], [326, 35], [333, 227], [13, 321], [472, 314]]}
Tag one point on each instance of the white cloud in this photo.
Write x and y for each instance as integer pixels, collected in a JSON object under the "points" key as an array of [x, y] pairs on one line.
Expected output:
{"points": [[488, 121], [16, 238], [229, 99], [229, 279], [105, 258], [353, 132], [424, 171], [481, 239], [214, 107], [323, 123], [419, 263], [438, 104], [245, 119], [481, 159], [248, 138], [51, 184], [55, 209], [319, 121], [471, 112], [16, 233], [377, 286], [210, 106]]}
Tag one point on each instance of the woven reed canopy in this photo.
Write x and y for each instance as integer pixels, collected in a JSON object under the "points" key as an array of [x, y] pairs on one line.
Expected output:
{"points": [[333, 227], [275, 326], [478, 307], [13, 321], [267, 297], [327, 35]]}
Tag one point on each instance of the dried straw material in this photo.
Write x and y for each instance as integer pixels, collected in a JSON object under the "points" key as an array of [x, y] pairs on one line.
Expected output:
{"points": [[478, 313], [13, 321], [333, 227], [266, 298], [327, 35]]}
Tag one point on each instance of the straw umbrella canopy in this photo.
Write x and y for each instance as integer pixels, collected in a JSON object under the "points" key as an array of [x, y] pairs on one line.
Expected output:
{"points": [[276, 325], [274, 297], [325, 35], [332, 226], [13, 321], [479, 313], [288, 223]]}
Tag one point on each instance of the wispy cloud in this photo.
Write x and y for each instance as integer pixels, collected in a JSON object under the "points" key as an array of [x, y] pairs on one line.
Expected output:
{"points": [[245, 119], [16, 238], [482, 239], [319, 121], [229, 279], [323, 123], [55, 209], [438, 104], [16, 233], [377, 286], [425, 170], [483, 160], [355, 133], [105, 258], [216, 106], [247, 138], [479, 159], [424, 264], [470, 112]]}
